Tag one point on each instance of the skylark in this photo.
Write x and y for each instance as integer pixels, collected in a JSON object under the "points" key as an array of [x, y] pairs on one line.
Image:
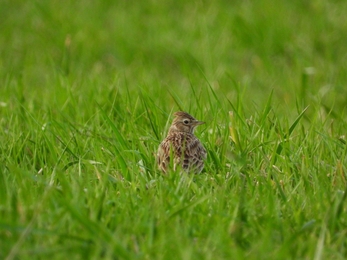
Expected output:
{"points": [[187, 151]]}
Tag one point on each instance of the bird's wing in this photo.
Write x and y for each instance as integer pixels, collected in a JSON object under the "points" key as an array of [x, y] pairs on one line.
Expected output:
{"points": [[163, 155]]}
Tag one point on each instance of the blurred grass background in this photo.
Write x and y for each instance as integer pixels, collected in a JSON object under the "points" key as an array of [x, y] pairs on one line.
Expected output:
{"points": [[87, 89], [295, 48]]}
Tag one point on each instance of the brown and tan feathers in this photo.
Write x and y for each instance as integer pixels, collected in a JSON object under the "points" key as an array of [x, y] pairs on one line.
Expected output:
{"points": [[181, 143]]}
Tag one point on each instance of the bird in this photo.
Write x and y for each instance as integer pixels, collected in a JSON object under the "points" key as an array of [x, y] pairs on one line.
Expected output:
{"points": [[182, 145]]}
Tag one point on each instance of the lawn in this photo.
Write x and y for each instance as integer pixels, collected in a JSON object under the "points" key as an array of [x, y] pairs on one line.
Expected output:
{"points": [[87, 93]]}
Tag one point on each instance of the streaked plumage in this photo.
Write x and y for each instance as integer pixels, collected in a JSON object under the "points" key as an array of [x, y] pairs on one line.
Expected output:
{"points": [[187, 151]]}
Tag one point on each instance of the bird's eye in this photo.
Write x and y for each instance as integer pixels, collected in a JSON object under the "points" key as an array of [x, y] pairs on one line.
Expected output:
{"points": [[186, 121]]}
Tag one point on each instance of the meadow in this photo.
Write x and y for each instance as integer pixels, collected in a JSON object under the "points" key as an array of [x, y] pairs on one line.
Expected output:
{"points": [[87, 93]]}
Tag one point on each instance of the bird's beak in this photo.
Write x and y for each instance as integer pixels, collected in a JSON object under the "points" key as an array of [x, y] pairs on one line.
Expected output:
{"points": [[198, 123]]}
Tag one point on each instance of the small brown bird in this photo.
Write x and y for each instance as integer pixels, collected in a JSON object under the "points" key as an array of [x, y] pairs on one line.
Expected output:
{"points": [[180, 142]]}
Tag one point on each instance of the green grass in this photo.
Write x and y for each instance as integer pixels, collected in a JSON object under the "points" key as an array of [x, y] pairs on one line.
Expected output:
{"points": [[87, 91]]}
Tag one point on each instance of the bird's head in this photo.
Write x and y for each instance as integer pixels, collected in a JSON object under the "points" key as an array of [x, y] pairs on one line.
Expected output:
{"points": [[183, 122]]}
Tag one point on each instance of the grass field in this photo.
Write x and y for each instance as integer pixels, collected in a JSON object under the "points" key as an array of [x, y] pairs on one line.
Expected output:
{"points": [[87, 92]]}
